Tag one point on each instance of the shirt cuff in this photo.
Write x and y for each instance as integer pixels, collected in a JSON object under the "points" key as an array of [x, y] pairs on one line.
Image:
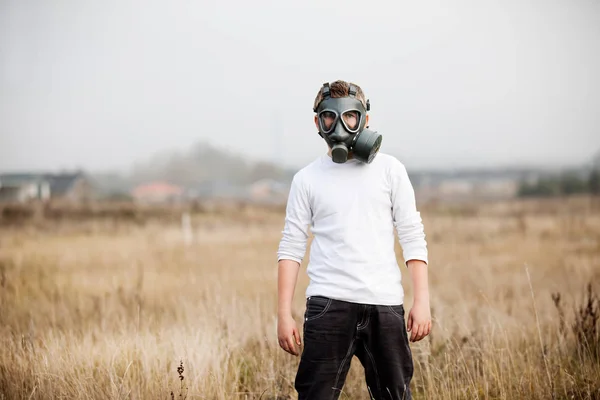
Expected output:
{"points": [[289, 257], [416, 253]]}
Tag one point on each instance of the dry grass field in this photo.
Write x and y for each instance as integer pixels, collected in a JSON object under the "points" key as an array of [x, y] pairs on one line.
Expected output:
{"points": [[105, 308]]}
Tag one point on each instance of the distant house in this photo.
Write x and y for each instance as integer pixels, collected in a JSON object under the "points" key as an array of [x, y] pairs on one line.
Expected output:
{"points": [[21, 188], [71, 187], [157, 192]]}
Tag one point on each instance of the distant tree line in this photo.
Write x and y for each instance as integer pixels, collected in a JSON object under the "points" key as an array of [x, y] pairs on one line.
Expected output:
{"points": [[191, 168], [562, 185]]}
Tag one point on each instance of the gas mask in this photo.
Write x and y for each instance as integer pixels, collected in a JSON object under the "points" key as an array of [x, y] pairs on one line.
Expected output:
{"points": [[342, 125]]}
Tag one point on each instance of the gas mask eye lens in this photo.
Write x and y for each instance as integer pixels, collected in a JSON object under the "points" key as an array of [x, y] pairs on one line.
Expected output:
{"points": [[351, 120], [327, 120]]}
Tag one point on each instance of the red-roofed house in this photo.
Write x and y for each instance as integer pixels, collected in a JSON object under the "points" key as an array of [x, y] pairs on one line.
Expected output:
{"points": [[157, 192]]}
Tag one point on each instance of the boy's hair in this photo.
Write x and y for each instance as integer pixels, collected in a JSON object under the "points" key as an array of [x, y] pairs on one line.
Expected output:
{"points": [[341, 89]]}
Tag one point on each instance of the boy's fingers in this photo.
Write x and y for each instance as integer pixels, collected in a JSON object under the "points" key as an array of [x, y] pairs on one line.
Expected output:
{"points": [[292, 348], [283, 345], [297, 336], [417, 332], [421, 332], [425, 330], [409, 324]]}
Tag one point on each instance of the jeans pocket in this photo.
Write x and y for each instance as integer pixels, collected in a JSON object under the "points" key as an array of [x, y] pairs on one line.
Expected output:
{"points": [[398, 311], [316, 307]]}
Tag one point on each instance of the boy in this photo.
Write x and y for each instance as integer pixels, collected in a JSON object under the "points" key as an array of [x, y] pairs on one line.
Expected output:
{"points": [[352, 197]]}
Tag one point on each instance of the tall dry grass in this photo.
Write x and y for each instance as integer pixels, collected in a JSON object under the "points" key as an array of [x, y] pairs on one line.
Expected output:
{"points": [[130, 311]]}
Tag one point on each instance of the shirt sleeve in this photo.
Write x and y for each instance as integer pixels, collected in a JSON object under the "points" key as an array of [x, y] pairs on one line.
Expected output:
{"points": [[407, 219], [297, 220]]}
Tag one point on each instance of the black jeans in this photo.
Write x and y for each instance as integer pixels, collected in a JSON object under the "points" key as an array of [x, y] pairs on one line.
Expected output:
{"points": [[335, 331]]}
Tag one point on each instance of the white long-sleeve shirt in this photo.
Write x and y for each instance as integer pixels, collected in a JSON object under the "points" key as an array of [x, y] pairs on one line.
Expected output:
{"points": [[352, 209]]}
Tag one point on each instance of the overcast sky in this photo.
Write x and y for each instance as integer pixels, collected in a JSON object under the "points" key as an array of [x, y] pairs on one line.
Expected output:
{"points": [[103, 84]]}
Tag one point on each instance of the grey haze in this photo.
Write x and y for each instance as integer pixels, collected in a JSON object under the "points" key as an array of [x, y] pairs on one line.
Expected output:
{"points": [[101, 85]]}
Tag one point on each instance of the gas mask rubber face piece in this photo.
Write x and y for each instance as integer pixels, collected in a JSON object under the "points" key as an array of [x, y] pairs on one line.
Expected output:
{"points": [[342, 125]]}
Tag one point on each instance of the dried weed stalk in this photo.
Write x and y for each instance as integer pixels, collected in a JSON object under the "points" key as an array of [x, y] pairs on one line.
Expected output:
{"points": [[586, 327]]}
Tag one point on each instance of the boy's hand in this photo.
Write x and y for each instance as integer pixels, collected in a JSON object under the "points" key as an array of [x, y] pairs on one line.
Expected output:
{"points": [[288, 335], [419, 320]]}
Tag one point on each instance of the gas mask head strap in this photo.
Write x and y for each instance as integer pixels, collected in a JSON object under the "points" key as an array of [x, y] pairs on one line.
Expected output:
{"points": [[352, 92], [325, 93]]}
